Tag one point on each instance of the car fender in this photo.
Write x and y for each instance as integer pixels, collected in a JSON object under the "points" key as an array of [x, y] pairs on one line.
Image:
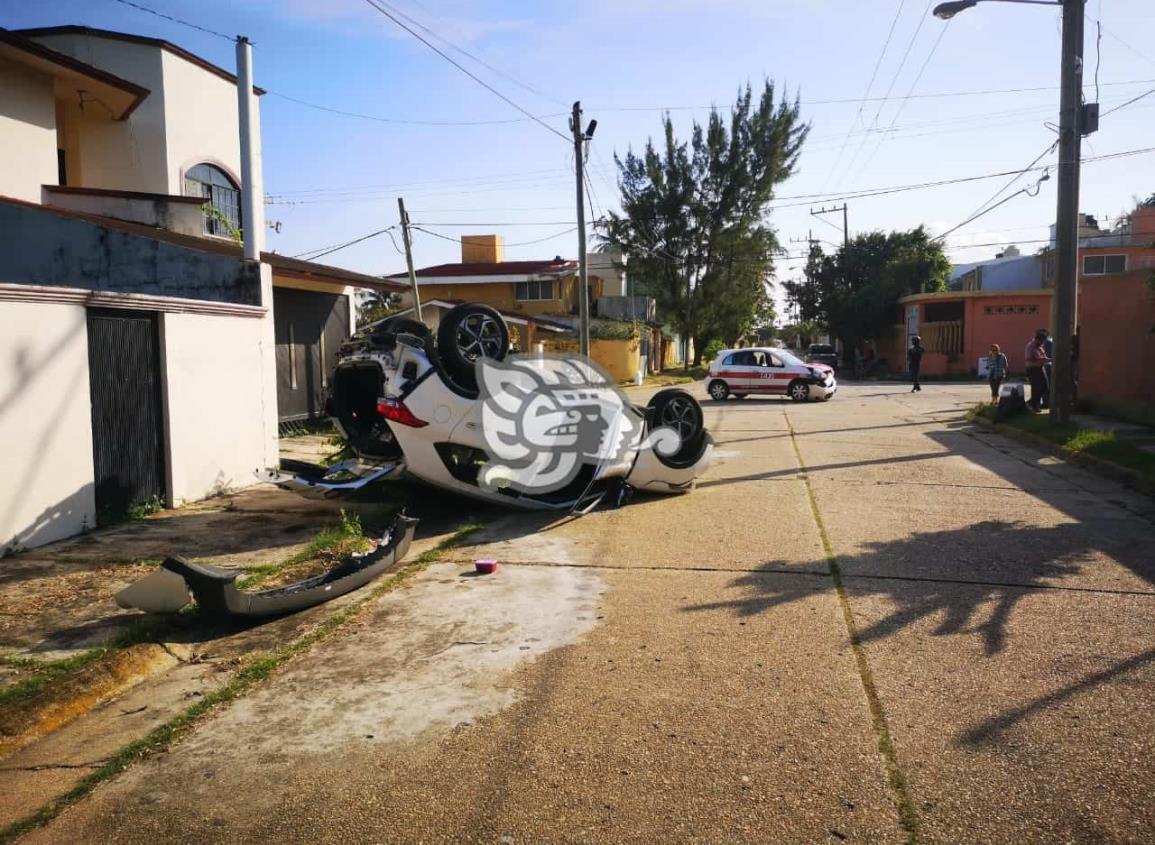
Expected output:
{"points": [[649, 473]]}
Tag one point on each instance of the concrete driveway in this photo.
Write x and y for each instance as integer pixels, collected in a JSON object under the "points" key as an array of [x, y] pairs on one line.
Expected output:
{"points": [[870, 623]]}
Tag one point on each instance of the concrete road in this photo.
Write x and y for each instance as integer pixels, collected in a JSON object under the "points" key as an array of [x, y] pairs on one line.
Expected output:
{"points": [[869, 623]]}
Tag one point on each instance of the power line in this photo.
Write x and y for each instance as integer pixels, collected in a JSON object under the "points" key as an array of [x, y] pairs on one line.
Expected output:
{"points": [[328, 250], [190, 25], [1037, 186], [509, 77], [909, 92], [397, 120], [459, 225], [385, 10], [1050, 148], [1129, 102], [869, 85], [518, 243]]}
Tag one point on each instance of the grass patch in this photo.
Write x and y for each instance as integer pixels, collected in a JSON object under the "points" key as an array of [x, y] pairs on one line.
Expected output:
{"points": [[1073, 439], [327, 548], [1121, 409], [904, 803], [256, 670], [47, 674], [675, 375]]}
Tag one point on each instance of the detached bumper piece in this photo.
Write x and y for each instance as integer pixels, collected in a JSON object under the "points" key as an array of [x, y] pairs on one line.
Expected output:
{"points": [[216, 593], [316, 480]]}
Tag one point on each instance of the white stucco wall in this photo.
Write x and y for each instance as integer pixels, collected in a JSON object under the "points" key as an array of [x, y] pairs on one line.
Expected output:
{"points": [[127, 155], [27, 132], [216, 402], [46, 485], [201, 122], [189, 117]]}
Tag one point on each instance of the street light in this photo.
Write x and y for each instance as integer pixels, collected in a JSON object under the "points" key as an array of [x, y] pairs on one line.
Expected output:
{"points": [[1071, 127], [946, 11]]}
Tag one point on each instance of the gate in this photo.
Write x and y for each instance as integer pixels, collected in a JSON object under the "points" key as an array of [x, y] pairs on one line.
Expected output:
{"points": [[127, 419]]}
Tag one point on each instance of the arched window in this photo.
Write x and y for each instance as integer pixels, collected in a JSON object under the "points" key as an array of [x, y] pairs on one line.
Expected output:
{"points": [[223, 210]]}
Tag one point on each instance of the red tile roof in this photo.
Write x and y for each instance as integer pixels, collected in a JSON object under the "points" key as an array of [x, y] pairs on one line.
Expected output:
{"points": [[504, 268]]}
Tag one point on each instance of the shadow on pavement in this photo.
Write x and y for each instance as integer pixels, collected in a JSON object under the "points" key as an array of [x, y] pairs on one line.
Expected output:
{"points": [[938, 579]]}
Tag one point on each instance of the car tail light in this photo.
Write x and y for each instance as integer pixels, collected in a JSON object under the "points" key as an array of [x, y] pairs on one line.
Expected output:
{"points": [[396, 411]]}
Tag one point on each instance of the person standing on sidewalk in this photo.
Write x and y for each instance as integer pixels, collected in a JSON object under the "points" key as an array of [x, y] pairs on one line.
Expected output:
{"points": [[1036, 357], [996, 371], [914, 361]]}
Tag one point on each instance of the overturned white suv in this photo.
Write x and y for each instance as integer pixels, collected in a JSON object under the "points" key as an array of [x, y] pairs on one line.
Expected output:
{"points": [[460, 413]]}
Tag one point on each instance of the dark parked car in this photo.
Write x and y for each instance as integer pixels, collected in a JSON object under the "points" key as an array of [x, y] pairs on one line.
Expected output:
{"points": [[822, 353]]}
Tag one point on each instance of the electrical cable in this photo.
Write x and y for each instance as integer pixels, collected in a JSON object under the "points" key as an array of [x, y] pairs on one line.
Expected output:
{"points": [[1037, 186], [518, 243], [328, 250], [1050, 148], [206, 30], [909, 93], [509, 77], [889, 90], [869, 85], [384, 10], [1129, 102]]}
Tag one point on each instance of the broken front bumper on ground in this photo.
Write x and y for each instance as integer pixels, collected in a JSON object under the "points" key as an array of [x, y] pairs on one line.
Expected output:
{"points": [[178, 582], [316, 480]]}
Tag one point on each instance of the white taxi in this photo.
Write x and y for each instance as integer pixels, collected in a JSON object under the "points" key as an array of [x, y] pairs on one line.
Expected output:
{"points": [[763, 371]]}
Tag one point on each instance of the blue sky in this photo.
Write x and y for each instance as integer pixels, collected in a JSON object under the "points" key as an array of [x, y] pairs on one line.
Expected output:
{"points": [[338, 177]]}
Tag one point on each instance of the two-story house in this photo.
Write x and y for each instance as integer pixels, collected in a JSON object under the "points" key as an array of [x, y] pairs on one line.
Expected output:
{"points": [[141, 357]]}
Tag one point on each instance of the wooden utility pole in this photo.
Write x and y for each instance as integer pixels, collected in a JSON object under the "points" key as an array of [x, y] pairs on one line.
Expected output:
{"points": [[580, 136], [1067, 213], [409, 257], [845, 221]]}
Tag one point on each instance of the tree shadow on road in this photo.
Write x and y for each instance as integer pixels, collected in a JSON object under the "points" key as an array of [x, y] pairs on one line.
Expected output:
{"points": [[971, 577]]}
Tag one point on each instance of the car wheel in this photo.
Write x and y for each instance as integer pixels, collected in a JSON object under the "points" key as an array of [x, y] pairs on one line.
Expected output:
{"points": [[467, 333], [799, 391], [719, 390], [679, 411]]}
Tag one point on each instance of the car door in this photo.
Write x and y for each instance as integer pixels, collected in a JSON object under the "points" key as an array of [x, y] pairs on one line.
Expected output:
{"points": [[738, 371], [780, 375], [761, 375]]}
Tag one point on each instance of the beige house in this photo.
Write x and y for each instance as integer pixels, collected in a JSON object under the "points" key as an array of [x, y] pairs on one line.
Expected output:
{"points": [[141, 357]]}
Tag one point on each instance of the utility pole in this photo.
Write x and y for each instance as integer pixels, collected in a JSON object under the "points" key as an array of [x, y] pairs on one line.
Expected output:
{"points": [[252, 187], [580, 137], [1067, 213], [409, 257], [845, 220]]}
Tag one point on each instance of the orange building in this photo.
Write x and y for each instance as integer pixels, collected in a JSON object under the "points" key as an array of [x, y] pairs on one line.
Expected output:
{"points": [[1116, 312], [958, 327]]}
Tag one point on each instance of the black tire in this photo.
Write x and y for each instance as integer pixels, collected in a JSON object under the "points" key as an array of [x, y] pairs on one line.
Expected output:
{"points": [[718, 390], [799, 391], [677, 409], [467, 332], [384, 334]]}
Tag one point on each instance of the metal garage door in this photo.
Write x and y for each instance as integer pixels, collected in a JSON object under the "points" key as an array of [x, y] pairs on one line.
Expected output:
{"points": [[127, 420], [310, 329]]}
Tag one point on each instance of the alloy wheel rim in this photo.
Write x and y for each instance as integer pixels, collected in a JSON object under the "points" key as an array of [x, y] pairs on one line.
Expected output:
{"points": [[479, 336], [679, 415]]}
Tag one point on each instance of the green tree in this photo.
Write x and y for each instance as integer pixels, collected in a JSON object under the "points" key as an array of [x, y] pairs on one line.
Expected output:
{"points": [[373, 305], [858, 287], [693, 216]]}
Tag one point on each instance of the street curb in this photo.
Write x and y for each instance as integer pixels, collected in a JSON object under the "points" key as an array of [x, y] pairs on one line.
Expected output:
{"points": [[1099, 466]]}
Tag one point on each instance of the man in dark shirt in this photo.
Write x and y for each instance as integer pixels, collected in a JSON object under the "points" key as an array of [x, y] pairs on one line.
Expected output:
{"points": [[914, 361]]}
